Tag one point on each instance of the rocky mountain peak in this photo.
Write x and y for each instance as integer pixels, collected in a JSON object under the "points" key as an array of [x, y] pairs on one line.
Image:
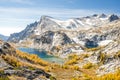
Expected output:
{"points": [[113, 17], [32, 25], [99, 15], [102, 15], [94, 15]]}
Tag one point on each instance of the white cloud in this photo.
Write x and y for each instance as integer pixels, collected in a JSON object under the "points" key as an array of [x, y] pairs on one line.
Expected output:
{"points": [[29, 2], [27, 12], [7, 30], [71, 1]]}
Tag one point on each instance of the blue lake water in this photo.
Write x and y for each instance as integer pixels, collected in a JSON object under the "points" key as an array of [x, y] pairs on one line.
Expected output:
{"points": [[43, 55]]}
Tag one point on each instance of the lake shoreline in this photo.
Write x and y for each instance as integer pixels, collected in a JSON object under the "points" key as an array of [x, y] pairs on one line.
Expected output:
{"points": [[43, 55]]}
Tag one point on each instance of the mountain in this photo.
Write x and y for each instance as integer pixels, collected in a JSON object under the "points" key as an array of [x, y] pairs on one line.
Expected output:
{"points": [[52, 32], [47, 23], [90, 45], [3, 37]]}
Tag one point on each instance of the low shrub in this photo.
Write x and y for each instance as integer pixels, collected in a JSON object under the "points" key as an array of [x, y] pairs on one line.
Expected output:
{"points": [[4, 78], [87, 65]]}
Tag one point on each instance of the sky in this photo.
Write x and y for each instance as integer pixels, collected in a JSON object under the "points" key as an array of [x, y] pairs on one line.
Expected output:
{"points": [[15, 15]]}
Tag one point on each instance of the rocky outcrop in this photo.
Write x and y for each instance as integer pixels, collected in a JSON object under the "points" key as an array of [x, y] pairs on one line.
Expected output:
{"points": [[53, 38], [50, 39], [9, 66], [26, 73], [6, 48], [112, 48]]}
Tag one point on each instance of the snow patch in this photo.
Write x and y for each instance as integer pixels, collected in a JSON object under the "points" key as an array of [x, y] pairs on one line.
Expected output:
{"points": [[105, 42], [78, 41], [80, 22], [88, 22], [36, 32], [103, 19]]}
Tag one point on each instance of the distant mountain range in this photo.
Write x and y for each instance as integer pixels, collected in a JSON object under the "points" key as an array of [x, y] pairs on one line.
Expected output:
{"points": [[2, 37]]}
